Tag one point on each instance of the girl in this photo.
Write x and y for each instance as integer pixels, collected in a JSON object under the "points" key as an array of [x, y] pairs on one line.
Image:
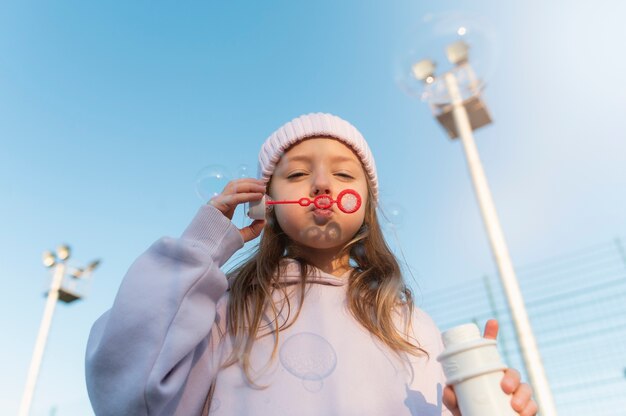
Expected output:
{"points": [[318, 321]]}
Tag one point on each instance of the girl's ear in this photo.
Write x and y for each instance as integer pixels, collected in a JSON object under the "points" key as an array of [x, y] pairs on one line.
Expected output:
{"points": [[271, 220]]}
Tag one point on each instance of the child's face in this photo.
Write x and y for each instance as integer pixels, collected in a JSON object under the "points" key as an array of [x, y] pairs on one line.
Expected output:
{"points": [[318, 166]]}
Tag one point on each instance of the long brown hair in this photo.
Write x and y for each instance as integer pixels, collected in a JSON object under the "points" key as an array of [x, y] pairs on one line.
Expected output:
{"points": [[376, 290]]}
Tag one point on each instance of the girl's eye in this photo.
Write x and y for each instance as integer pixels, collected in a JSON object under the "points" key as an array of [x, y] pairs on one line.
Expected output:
{"points": [[345, 175], [295, 175]]}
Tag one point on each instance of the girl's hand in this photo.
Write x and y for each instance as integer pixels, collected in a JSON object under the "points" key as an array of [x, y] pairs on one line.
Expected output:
{"points": [[237, 192], [521, 401]]}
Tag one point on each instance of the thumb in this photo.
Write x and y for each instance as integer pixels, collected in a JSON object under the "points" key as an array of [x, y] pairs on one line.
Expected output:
{"points": [[491, 329], [449, 400], [252, 231]]}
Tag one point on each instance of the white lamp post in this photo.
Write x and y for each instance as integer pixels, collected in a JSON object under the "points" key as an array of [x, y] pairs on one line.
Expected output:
{"points": [[64, 291], [460, 114]]}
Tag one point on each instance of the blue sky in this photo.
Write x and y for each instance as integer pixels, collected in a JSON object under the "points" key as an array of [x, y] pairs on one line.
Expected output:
{"points": [[108, 112]]}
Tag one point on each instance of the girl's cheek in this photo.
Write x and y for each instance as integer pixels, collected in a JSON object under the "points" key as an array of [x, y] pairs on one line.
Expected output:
{"points": [[284, 213], [278, 211]]}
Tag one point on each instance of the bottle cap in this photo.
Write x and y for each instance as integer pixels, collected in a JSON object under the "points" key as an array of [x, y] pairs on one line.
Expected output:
{"points": [[460, 334]]}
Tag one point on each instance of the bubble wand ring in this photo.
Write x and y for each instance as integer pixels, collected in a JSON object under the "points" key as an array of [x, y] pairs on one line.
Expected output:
{"points": [[348, 201]]}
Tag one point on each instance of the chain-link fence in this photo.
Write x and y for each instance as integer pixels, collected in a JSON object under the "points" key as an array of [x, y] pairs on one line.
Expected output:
{"points": [[577, 307]]}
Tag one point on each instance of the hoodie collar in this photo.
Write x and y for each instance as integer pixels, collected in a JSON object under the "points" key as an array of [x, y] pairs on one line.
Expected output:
{"points": [[291, 274]]}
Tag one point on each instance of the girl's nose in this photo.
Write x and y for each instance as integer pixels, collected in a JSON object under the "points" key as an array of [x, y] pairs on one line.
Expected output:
{"points": [[321, 185], [321, 192]]}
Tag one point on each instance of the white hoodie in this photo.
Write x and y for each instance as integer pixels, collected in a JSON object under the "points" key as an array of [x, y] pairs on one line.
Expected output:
{"points": [[158, 349]]}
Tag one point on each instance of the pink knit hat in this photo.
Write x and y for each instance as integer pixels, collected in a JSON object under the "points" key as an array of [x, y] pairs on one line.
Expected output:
{"points": [[312, 125]]}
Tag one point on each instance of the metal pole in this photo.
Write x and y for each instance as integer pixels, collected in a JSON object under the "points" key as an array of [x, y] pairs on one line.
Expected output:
{"points": [[526, 338], [42, 338]]}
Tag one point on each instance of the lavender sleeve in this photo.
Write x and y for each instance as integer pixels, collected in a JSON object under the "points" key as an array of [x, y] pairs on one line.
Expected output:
{"points": [[152, 352]]}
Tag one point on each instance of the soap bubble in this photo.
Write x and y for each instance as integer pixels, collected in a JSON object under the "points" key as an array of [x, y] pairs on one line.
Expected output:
{"points": [[392, 216], [210, 181], [430, 38], [327, 234], [349, 202], [313, 386], [309, 357], [243, 171]]}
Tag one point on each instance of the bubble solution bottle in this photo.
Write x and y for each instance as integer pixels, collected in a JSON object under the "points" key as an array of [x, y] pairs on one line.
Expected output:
{"points": [[473, 366]]}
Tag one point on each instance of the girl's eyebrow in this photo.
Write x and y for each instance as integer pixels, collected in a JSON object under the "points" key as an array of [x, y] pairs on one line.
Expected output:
{"points": [[306, 158]]}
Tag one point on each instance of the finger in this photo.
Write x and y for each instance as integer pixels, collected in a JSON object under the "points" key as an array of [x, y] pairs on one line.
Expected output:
{"points": [[252, 231], [236, 199], [449, 400], [491, 329], [244, 185], [511, 381], [531, 409], [249, 179], [521, 398], [223, 203], [227, 203]]}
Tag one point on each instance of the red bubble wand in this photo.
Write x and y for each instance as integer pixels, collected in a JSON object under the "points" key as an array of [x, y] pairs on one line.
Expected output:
{"points": [[348, 201]]}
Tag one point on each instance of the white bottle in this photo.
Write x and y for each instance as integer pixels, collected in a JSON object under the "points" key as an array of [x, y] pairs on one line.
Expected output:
{"points": [[473, 366], [258, 209]]}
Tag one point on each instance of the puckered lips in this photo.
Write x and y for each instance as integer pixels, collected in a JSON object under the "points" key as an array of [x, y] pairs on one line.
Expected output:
{"points": [[322, 215]]}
